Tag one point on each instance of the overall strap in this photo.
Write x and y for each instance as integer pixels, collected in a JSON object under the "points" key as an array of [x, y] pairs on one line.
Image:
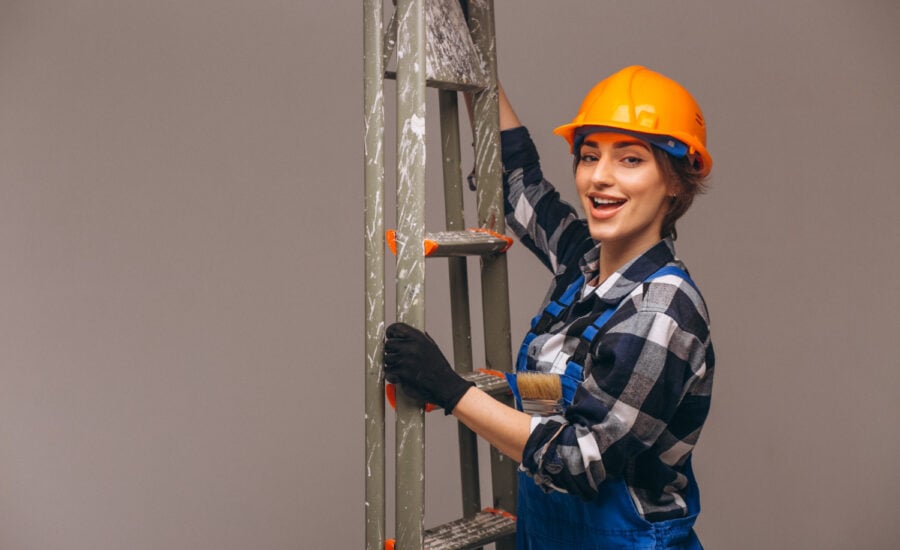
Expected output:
{"points": [[555, 308], [672, 270], [575, 367], [545, 319], [593, 329]]}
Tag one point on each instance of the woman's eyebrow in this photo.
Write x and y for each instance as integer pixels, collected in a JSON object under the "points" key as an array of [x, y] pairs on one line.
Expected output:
{"points": [[628, 143]]}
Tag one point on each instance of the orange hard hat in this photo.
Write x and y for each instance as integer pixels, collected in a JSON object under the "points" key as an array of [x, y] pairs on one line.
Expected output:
{"points": [[642, 102]]}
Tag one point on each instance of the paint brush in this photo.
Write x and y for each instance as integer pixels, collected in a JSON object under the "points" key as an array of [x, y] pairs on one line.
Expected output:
{"points": [[540, 393]]}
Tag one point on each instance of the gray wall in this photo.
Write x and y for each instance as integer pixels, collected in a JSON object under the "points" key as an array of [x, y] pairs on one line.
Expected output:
{"points": [[181, 277]]}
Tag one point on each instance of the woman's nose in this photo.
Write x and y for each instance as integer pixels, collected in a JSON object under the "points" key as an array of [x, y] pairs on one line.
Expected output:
{"points": [[602, 172]]}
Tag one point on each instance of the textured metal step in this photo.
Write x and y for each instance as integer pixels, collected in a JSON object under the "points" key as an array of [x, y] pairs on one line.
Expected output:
{"points": [[485, 527], [451, 60], [471, 242], [492, 384]]}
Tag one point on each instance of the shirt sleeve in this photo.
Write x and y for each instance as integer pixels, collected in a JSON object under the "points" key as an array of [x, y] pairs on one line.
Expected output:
{"points": [[638, 376], [545, 224]]}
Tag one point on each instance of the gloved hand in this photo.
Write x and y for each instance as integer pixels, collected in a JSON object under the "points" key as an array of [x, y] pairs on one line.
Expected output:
{"points": [[413, 360]]}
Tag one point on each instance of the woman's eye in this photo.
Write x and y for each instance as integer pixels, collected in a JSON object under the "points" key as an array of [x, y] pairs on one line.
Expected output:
{"points": [[632, 161], [588, 158]]}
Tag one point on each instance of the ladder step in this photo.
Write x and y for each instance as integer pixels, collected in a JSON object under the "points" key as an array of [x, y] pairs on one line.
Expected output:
{"points": [[483, 528], [442, 84], [491, 382], [451, 60], [471, 242]]}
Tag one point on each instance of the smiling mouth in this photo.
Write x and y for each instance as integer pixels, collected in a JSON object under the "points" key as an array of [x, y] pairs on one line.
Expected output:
{"points": [[606, 203]]}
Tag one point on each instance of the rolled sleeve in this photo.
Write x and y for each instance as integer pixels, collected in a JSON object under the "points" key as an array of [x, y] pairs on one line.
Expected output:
{"points": [[544, 223]]}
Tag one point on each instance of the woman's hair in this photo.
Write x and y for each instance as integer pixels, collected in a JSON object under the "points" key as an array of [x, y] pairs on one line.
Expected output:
{"points": [[686, 183], [685, 180]]}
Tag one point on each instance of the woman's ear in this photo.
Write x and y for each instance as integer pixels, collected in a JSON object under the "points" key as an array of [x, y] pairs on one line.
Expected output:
{"points": [[674, 187]]}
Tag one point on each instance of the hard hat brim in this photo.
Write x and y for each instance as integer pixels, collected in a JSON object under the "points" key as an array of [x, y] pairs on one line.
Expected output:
{"points": [[684, 145]]}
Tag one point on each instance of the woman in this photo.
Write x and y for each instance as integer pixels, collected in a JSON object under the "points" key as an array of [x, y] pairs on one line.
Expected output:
{"points": [[623, 327]]}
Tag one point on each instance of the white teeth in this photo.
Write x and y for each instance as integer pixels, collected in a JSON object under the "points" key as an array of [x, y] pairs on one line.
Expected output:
{"points": [[600, 202]]}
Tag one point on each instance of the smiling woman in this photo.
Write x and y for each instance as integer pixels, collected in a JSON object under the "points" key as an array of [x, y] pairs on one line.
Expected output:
{"points": [[623, 195], [624, 332]]}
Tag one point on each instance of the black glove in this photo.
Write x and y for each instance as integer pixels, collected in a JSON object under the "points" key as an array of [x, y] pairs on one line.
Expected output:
{"points": [[413, 360]]}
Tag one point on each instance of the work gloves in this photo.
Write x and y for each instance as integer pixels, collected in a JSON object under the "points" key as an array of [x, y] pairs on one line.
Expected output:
{"points": [[413, 360]]}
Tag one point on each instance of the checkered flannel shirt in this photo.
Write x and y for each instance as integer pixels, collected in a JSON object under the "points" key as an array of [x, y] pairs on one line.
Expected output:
{"points": [[646, 394]]}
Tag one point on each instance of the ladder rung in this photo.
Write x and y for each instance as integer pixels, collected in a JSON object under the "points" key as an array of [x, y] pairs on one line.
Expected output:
{"points": [[471, 242], [483, 528], [492, 384], [442, 84], [451, 60]]}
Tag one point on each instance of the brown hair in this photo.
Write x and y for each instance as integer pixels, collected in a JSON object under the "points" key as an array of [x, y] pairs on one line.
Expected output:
{"points": [[683, 179]]}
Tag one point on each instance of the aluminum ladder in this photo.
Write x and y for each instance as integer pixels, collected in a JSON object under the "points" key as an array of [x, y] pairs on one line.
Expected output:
{"points": [[449, 45]]}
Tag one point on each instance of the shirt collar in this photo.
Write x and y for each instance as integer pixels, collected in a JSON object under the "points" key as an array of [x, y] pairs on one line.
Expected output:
{"points": [[625, 280]]}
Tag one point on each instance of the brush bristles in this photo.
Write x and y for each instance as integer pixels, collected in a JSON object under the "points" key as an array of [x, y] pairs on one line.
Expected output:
{"points": [[535, 385]]}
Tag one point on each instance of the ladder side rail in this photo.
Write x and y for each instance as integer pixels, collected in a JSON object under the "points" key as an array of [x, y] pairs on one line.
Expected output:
{"points": [[410, 278], [373, 92], [390, 44], [494, 272], [459, 292]]}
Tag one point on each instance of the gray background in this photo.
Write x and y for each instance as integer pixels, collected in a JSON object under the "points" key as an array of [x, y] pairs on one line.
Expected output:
{"points": [[181, 272]]}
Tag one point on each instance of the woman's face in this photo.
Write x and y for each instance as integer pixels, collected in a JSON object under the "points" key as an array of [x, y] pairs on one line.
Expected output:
{"points": [[622, 192]]}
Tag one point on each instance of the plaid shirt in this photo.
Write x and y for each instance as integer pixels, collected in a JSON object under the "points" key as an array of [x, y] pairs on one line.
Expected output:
{"points": [[648, 375]]}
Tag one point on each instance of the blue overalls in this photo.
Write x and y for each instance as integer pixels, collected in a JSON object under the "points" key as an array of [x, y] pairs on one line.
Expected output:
{"points": [[610, 521]]}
